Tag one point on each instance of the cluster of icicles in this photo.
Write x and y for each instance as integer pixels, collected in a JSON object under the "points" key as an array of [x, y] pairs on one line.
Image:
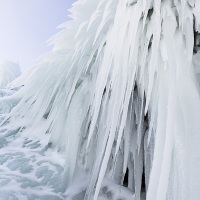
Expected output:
{"points": [[119, 91]]}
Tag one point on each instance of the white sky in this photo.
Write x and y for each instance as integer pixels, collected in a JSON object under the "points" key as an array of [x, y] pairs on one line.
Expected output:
{"points": [[26, 25]]}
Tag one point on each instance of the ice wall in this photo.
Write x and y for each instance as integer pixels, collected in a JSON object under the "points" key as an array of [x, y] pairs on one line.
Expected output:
{"points": [[119, 91]]}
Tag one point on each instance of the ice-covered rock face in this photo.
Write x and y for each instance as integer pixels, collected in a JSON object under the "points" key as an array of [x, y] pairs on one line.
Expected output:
{"points": [[9, 71]]}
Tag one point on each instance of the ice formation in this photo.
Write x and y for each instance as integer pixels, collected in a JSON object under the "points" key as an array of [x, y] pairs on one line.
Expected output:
{"points": [[9, 71], [119, 94]]}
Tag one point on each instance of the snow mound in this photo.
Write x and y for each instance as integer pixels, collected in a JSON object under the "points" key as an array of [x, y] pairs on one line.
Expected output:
{"points": [[9, 71]]}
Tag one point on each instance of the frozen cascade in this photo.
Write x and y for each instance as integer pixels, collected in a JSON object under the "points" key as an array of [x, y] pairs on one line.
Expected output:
{"points": [[119, 96]]}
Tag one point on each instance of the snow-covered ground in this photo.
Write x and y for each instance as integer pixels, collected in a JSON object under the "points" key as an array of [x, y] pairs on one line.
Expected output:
{"points": [[29, 170]]}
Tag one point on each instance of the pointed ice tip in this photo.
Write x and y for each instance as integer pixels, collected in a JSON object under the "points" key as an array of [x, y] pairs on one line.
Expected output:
{"points": [[145, 110], [191, 3]]}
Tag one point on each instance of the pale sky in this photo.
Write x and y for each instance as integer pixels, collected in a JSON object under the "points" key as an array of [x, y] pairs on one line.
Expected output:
{"points": [[26, 25]]}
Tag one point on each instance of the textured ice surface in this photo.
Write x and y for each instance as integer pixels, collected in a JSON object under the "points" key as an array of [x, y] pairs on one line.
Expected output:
{"points": [[28, 169]]}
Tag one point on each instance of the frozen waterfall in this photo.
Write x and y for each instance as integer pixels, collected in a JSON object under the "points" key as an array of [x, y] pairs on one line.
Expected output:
{"points": [[118, 95]]}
